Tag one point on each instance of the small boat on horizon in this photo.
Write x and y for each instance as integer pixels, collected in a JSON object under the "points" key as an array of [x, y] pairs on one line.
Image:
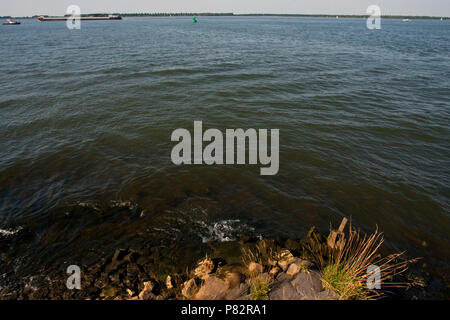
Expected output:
{"points": [[10, 22], [406, 20]]}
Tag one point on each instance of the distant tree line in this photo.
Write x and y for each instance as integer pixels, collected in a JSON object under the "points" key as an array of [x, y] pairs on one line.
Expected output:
{"points": [[334, 15], [157, 14], [183, 14]]}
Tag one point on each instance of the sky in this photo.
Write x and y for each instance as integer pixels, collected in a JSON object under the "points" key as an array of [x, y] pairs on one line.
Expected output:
{"points": [[388, 7]]}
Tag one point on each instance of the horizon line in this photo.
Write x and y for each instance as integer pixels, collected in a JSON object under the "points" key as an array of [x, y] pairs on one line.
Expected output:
{"points": [[235, 14]]}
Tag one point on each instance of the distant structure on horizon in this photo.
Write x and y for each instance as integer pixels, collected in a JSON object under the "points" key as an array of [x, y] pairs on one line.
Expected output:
{"points": [[212, 14], [82, 17]]}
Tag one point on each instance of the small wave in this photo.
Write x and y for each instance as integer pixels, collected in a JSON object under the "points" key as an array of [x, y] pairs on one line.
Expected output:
{"points": [[91, 205], [223, 231], [124, 204], [113, 204], [9, 233]]}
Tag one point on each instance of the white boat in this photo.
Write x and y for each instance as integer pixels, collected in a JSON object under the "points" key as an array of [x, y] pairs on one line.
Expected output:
{"points": [[406, 20], [10, 22]]}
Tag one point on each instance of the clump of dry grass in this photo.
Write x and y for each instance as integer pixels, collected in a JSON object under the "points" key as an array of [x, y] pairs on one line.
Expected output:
{"points": [[346, 269], [264, 252]]}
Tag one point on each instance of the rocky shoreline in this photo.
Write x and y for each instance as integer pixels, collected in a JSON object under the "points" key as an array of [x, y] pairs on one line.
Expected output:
{"points": [[249, 268]]}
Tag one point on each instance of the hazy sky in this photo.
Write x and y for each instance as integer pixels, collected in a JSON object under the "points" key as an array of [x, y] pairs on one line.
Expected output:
{"points": [[58, 7]]}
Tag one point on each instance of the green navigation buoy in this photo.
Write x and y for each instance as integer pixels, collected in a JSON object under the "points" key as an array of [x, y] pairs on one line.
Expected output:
{"points": [[194, 20]]}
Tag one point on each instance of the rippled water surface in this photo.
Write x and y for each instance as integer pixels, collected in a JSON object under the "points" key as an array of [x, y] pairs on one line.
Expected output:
{"points": [[86, 118]]}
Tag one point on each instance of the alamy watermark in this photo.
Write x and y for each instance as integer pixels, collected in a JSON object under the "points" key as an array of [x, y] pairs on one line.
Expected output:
{"points": [[74, 21], [74, 280], [374, 277], [221, 148], [374, 20]]}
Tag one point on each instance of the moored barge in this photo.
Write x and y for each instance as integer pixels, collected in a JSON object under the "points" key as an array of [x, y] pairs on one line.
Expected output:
{"points": [[83, 18]]}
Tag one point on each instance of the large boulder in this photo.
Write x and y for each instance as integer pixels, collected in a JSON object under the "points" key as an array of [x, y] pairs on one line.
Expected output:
{"points": [[213, 288], [303, 286], [308, 285], [284, 291], [238, 293]]}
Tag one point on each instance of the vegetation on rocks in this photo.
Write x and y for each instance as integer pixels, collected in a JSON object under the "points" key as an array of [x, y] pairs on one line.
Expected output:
{"points": [[259, 289], [312, 268], [350, 258]]}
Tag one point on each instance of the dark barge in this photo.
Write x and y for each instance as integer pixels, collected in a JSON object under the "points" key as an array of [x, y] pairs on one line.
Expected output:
{"points": [[83, 18]]}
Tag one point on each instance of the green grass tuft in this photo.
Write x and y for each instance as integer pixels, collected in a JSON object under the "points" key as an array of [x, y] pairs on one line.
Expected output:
{"points": [[259, 290], [335, 277]]}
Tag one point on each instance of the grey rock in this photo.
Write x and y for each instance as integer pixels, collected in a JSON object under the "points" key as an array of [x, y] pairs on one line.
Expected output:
{"points": [[233, 279], [284, 291], [212, 289], [307, 284], [283, 276], [293, 269], [327, 295], [238, 293], [297, 265]]}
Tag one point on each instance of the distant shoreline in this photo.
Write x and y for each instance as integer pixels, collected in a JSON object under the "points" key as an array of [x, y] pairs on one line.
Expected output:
{"points": [[153, 15]]}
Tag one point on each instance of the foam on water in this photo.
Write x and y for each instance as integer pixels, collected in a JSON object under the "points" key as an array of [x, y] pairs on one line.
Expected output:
{"points": [[9, 233], [222, 231]]}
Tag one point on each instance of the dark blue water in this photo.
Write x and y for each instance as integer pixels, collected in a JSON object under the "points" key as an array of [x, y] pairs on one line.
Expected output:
{"points": [[86, 118]]}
